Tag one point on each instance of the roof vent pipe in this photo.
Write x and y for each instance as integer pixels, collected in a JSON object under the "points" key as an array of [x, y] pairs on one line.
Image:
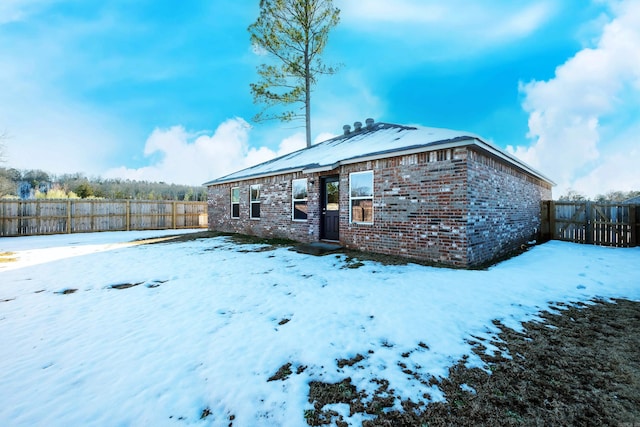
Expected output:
{"points": [[369, 123], [347, 129], [357, 126]]}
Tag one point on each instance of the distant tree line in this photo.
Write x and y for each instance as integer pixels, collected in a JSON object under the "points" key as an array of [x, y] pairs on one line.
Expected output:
{"points": [[612, 196], [35, 183]]}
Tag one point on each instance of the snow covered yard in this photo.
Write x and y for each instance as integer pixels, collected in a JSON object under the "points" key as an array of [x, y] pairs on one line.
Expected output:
{"points": [[95, 330]]}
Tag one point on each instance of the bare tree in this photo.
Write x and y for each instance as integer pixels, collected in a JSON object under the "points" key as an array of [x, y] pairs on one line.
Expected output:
{"points": [[573, 196], [7, 186], [295, 33]]}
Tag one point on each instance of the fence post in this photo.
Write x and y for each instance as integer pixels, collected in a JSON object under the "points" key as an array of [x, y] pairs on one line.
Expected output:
{"points": [[38, 222], [588, 232], [93, 217], [635, 225], [128, 214], [173, 215], [544, 220], [552, 219], [68, 216], [19, 217]]}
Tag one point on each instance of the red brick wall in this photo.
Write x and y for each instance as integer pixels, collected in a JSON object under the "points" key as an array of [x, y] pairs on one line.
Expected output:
{"points": [[456, 207], [275, 209], [504, 208], [419, 208]]}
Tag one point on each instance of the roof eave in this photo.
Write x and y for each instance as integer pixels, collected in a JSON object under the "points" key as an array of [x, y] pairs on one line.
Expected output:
{"points": [[513, 160], [225, 180], [436, 145], [454, 143], [320, 169]]}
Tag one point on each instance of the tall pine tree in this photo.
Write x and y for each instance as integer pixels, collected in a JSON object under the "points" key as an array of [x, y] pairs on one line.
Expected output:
{"points": [[294, 33]]}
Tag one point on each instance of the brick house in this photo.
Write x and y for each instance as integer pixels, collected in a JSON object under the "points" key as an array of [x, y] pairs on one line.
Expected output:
{"points": [[423, 193]]}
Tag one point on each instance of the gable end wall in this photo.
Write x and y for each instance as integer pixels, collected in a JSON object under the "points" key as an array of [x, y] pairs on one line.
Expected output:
{"points": [[504, 208]]}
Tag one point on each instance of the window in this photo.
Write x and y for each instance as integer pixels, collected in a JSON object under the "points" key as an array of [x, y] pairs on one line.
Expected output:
{"points": [[235, 202], [254, 201], [299, 199], [361, 197]]}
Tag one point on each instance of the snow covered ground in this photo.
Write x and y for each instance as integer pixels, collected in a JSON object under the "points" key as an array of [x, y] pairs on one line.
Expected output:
{"points": [[210, 321]]}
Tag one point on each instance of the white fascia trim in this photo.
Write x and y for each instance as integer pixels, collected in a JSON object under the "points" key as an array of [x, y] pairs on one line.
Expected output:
{"points": [[250, 177], [512, 159], [320, 169]]}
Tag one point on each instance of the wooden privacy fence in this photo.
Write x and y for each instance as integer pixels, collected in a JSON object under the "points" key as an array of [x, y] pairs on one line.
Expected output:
{"points": [[35, 217], [607, 224]]}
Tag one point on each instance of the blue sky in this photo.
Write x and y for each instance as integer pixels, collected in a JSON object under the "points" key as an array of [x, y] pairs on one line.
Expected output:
{"points": [[159, 90]]}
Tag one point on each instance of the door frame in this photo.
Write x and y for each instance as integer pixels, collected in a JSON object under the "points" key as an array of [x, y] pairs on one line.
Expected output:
{"points": [[323, 204]]}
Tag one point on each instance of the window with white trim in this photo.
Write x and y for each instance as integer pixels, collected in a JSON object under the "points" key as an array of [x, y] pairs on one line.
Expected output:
{"points": [[361, 197], [254, 201], [299, 198], [235, 202]]}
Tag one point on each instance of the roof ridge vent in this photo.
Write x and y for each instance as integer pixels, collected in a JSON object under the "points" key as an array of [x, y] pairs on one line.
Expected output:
{"points": [[346, 129], [357, 126], [369, 123]]}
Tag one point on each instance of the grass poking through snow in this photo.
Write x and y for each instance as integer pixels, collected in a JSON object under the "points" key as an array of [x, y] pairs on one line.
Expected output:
{"points": [[581, 366]]}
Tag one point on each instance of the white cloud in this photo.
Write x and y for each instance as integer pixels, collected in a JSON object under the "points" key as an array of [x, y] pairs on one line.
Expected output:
{"points": [[521, 23], [574, 117], [623, 165], [178, 156], [48, 128], [476, 22], [57, 136], [15, 10], [399, 11]]}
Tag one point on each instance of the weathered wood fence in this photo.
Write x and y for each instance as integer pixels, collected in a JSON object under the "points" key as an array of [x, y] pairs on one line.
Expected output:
{"points": [[35, 217], [606, 224]]}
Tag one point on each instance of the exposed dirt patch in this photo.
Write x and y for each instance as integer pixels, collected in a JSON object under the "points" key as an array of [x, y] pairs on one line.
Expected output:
{"points": [[205, 413], [350, 362], [282, 374], [257, 250], [148, 284], [243, 239], [322, 394], [67, 291], [125, 285], [352, 263], [269, 244], [7, 257], [155, 283], [354, 258], [240, 239], [581, 366], [175, 238]]}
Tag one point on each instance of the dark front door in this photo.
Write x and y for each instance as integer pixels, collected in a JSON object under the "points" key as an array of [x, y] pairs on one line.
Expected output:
{"points": [[330, 225]]}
